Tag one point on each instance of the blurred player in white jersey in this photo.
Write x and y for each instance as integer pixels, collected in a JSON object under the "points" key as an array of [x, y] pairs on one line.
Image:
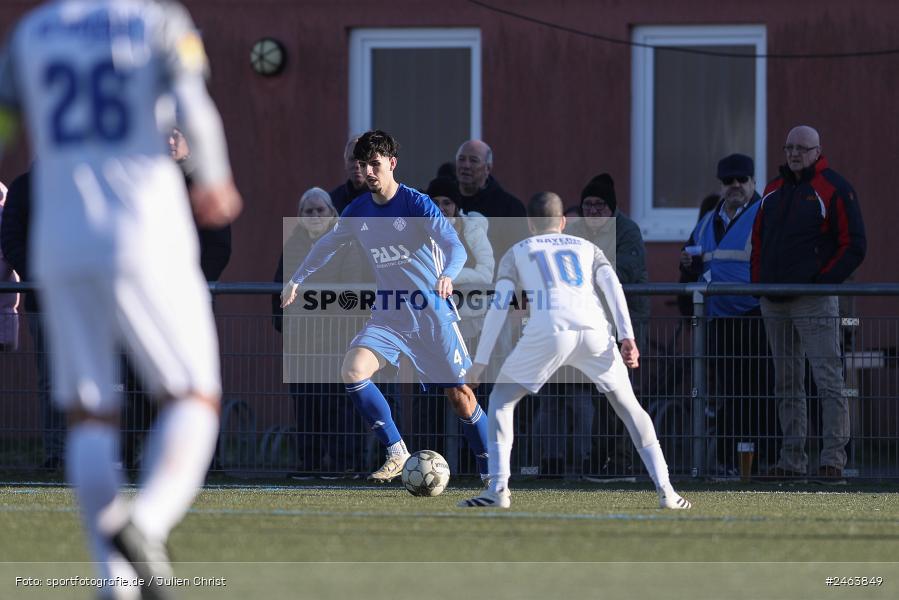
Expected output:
{"points": [[115, 251], [566, 279]]}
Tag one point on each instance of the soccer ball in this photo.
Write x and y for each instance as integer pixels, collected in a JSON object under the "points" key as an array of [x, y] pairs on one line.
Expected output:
{"points": [[426, 473]]}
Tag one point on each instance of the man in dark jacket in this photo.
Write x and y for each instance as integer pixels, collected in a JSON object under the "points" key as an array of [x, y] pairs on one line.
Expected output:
{"points": [[620, 240], [14, 241], [15, 229], [808, 229], [482, 193], [215, 243], [215, 252], [354, 186], [603, 223]]}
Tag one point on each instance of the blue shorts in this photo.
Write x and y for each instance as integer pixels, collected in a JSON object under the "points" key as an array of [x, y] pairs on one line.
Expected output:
{"points": [[439, 355]]}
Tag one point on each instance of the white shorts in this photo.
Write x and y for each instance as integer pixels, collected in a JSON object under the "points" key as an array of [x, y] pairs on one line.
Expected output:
{"points": [[161, 315], [536, 357]]}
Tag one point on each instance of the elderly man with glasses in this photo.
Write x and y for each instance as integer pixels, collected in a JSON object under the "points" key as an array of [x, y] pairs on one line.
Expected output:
{"points": [[718, 251], [808, 229]]}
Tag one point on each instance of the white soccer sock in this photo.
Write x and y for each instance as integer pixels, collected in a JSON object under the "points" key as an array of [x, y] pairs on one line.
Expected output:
{"points": [[397, 449], [90, 464], [655, 463], [179, 452], [500, 432], [503, 473], [643, 433]]}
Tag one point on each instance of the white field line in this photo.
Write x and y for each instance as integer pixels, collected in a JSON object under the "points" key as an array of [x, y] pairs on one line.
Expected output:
{"points": [[459, 514], [20, 487], [43, 487], [469, 514]]}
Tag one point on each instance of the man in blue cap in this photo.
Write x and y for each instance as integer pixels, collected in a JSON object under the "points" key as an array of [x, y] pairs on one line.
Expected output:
{"points": [[721, 245]]}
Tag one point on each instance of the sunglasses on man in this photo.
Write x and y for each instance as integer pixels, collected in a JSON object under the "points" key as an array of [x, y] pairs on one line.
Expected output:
{"points": [[731, 180]]}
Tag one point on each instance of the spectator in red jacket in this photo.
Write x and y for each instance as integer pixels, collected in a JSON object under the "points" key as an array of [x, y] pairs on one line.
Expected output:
{"points": [[808, 230]]}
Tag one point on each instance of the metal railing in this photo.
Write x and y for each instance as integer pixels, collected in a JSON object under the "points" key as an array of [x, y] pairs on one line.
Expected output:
{"points": [[703, 403]]}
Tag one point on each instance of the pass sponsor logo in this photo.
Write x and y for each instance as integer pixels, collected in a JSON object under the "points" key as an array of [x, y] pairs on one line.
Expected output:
{"points": [[390, 254]]}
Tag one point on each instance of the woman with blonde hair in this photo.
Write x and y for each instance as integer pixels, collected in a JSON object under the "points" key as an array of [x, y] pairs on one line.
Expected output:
{"points": [[326, 428]]}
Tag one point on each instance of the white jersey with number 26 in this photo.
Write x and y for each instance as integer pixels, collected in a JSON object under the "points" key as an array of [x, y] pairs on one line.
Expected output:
{"points": [[90, 78]]}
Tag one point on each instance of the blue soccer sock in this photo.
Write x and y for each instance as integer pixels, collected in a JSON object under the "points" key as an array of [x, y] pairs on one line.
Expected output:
{"points": [[370, 402], [475, 430]]}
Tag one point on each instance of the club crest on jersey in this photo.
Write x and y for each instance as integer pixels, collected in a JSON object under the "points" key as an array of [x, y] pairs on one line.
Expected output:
{"points": [[390, 254], [399, 224], [191, 52]]}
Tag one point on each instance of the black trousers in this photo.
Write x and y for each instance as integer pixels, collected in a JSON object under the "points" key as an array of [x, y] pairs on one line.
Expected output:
{"points": [[742, 380]]}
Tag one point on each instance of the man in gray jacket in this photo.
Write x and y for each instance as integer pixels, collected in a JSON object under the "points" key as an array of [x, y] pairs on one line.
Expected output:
{"points": [[620, 240]]}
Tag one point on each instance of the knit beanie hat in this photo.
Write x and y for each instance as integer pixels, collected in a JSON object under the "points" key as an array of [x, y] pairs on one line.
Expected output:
{"points": [[601, 187], [444, 186]]}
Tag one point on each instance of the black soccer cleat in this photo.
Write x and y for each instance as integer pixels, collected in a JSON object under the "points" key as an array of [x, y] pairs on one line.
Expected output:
{"points": [[150, 561]]}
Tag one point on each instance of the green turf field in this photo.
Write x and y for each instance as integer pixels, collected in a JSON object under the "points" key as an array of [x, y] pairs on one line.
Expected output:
{"points": [[559, 539]]}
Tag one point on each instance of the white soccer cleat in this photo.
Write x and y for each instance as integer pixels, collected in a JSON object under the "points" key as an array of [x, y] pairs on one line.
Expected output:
{"points": [[390, 470], [672, 500], [488, 499]]}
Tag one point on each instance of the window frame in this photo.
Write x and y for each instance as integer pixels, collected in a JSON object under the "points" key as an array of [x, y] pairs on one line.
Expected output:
{"points": [[364, 40], [676, 224]]}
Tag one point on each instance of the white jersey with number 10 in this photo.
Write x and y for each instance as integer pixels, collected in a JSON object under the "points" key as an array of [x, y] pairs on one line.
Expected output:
{"points": [[557, 273]]}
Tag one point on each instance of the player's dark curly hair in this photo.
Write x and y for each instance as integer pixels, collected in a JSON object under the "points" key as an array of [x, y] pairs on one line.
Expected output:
{"points": [[375, 142]]}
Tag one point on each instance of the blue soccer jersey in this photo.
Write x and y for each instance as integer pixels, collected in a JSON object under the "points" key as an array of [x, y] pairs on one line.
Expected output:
{"points": [[409, 244]]}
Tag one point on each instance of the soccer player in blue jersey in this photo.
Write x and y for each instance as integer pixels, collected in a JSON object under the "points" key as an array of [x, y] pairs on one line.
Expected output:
{"points": [[415, 254]]}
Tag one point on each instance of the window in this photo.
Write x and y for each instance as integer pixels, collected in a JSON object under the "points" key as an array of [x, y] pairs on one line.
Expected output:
{"points": [[690, 110], [423, 86]]}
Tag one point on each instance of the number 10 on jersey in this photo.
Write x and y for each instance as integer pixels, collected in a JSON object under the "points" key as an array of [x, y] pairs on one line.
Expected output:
{"points": [[568, 267]]}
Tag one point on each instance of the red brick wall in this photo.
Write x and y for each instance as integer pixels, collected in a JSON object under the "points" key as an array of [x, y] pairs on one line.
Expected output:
{"points": [[556, 106]]}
